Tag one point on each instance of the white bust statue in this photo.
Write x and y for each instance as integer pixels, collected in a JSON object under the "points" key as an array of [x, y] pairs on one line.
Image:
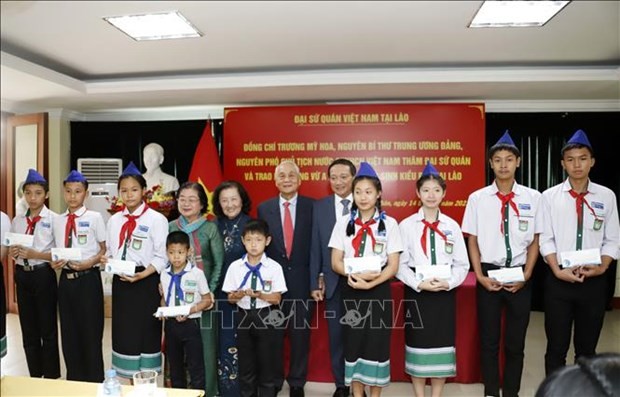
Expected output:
{"points": [[153, 158]]}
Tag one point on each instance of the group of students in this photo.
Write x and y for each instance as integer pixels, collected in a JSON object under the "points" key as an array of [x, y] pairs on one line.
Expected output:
{"points": [[301, 248]]}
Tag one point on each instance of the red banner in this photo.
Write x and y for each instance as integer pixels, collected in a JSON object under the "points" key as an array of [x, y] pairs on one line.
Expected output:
{"points": [[397, 139]]}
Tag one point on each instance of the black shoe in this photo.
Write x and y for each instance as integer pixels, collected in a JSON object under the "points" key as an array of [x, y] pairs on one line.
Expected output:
{"points": [[297, 392], [342, 391]]}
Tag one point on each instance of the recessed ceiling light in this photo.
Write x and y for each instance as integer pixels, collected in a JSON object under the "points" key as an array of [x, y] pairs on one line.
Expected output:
{"points": [[515, 13], [158, 26]]}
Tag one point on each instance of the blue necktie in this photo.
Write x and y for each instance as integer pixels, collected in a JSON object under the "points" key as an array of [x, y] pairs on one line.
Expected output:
{"points": [[175, 278], [255, 270]]}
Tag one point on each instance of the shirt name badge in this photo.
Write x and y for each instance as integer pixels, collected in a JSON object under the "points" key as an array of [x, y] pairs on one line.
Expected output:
{"points": [[449, 247], [190, 287], [378, 249], [136, 244], [598, 224]]}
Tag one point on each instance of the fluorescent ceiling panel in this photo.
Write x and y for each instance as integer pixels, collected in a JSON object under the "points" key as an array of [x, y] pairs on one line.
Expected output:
{"points": [[515, 13], [159, 26]]}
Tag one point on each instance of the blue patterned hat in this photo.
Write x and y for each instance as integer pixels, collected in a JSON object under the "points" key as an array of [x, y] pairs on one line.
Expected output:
{"points": [[75, 176], [34, 177], [366, 170], [579, 138], [430, 170], [131, 169], [505, 140]]}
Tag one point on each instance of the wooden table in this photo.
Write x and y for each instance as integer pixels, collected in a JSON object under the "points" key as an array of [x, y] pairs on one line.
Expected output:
{"points": [[26, 386]]}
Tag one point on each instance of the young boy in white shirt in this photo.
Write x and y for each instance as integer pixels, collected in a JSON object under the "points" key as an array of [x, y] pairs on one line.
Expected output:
{"points": [[256, 284], [35, 280], [182, 284], [503, 221], [578, 215], [80, 292]]}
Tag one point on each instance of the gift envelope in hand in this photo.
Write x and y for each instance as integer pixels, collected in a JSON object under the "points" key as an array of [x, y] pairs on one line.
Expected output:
{"points": [[362, 264], [427, 272], [120, 267], [172, 311], [25, 240], [66, 254], [580, 258], [507, 275]]}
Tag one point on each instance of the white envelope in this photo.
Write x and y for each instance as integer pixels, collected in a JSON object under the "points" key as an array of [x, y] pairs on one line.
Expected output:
{"points": [[25, 240], [69, 254], [362, 264], [172, 311], [122, 268], [427, 272], [507, 275], [580, 258]]}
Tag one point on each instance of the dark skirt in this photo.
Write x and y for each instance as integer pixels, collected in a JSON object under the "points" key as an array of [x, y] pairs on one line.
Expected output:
{"points": [[228, 366], [136, 333], [367, 328], [429, 333]]}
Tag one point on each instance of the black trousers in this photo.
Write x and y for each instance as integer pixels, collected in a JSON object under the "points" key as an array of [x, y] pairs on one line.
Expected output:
{"points": [[581, 304], [516, 307], [80, 304], [297, 328], [184, 345], [37, 299], [256, 339]]}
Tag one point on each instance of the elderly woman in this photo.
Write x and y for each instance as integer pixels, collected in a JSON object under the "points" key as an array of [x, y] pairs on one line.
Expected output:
{"points": [[231, 205], [208, 249]]}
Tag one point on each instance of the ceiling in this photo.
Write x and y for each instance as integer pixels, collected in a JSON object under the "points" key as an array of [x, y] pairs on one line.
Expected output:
{"points": [[63, 55]]}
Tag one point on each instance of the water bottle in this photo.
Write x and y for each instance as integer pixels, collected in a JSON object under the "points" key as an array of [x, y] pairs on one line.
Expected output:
{"points": [[111, 384]]}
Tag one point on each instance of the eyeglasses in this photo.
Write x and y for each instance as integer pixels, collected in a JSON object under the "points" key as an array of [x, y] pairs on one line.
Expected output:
{"points": [[189, 201]]}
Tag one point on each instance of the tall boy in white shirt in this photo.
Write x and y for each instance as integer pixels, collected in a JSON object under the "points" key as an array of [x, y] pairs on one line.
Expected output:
{"points": [[503, 221], [37, 288], [80, 292], [578, 215]]}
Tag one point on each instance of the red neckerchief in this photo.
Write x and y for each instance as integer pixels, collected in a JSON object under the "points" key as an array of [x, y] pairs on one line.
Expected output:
{"points": [[434, 226], [506, 199], [580, 199], [129, 226], [70, 228], [357, 240], [32, 223]]}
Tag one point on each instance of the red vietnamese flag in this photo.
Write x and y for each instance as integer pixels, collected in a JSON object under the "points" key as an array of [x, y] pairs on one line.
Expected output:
{"points": [[206, 168]]}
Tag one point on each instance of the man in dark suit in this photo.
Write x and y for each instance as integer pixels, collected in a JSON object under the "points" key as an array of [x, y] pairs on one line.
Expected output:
{"points": [[289, 216], [324, 282]]}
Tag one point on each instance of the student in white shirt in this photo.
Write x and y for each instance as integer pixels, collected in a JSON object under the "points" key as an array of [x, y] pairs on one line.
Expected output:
{"points": [[138, 234], [431, 238], [367, 295], [578, 215], [503, 221], [35, 280], [256, 283], [80, 292], [183, 284]]}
